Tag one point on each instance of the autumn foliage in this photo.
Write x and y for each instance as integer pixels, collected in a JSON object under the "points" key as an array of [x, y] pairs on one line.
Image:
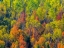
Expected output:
{"points": [[31, 23]]}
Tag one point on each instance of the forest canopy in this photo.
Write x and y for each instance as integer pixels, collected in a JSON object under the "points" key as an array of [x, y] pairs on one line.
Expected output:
{"points": [[31, 23]]}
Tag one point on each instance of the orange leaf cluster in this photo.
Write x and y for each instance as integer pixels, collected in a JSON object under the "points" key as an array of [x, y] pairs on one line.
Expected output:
{"points": [[59, 45]]}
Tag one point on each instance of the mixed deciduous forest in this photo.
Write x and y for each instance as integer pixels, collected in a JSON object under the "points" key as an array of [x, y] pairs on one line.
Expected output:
{"points": [[31, 23]]}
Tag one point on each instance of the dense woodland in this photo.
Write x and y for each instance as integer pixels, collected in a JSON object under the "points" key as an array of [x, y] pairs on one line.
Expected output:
{"points": [[31, 23]]}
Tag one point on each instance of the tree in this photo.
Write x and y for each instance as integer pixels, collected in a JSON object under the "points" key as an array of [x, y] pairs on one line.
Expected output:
{"points": [[31, 5], [13, 22], [41, 41], [47, 36], [57, 33], [2, 44], [14, 44], [2, 9], [31, 22], [14, 30], [41, 12], [47, 44], [22, 43]]}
